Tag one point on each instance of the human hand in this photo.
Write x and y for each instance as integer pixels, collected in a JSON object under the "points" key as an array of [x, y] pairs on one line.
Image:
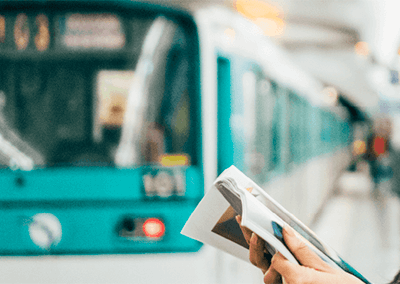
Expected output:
{"points": [[313, 270]]}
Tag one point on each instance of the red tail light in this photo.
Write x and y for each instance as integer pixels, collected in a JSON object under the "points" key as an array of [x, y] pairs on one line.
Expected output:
{"points": [[153, 228]]}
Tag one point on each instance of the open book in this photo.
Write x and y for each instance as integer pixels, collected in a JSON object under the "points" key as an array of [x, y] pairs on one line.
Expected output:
{"points": [[233, 193]]}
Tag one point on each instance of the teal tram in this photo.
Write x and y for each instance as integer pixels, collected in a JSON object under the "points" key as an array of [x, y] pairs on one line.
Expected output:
{"points": [[115, 117]]}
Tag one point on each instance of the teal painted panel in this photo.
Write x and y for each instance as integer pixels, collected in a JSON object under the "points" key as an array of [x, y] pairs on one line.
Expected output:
{"points": [[70, 184], [94, 230], [194, 183], [84, 184], [225, 140]]}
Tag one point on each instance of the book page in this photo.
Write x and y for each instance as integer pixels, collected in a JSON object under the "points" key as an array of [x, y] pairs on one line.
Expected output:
{"points": [[213, 221], [213, 210]]}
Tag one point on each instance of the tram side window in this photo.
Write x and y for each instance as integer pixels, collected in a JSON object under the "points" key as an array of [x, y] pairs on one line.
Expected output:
{"points": [[304, 131], [110, 104], [314, 126], [166, 109], [345, 131], [3, 98], [43, 104], [298, 128], [276, 130], [337, 131], [8, 108], [294, 125], [266, 102], [4, 160], [259, 108], [254, 161], [176, 105], [52, 108], [72, 112], [308, 131], [172, 111], [326, 131], [332, 118]]}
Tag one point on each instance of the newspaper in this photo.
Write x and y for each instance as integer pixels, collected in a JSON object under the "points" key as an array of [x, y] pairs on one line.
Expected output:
{"points": [[233, 193]]}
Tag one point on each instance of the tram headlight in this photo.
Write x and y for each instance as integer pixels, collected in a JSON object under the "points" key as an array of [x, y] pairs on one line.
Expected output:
{"points": [[164, 183]]}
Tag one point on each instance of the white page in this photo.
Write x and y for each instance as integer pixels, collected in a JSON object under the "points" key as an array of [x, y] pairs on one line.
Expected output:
{"points": [[203, 220], [213, 222]]}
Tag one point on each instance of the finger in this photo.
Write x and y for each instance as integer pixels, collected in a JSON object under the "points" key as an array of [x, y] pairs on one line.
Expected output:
{"points": [[256, 250], [272, 276], [256, 253], [293, 273], [246, 232], [284, 267], [302, 252]]}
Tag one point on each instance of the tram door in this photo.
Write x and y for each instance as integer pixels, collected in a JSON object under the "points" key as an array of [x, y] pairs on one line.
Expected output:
{"points": [[233, 122], [245, 107]]}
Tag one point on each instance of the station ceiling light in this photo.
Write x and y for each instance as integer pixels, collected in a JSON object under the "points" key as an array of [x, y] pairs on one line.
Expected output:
{"points": [[268, 16]]}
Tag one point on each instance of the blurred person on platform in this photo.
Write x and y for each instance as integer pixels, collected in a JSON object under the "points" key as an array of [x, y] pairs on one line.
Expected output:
{"points": [[378, 152], [395, 154]]}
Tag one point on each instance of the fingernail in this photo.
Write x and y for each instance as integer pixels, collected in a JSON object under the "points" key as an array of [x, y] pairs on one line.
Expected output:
{"points": [[289, 231], [274, 257], [253, 238], [237, 218]]}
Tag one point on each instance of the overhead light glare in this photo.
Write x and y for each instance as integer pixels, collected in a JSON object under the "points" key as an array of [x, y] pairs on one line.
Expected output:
{"points": [[230, 35], [330, 95], [254, 9], [267, 16]]}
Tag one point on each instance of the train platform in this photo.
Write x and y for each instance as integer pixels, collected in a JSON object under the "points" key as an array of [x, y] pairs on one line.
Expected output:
{"points": [[363, 225]]}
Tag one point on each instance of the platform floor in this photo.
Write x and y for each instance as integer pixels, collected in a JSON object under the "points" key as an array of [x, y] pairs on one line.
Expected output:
{"points": [[363, 226]]}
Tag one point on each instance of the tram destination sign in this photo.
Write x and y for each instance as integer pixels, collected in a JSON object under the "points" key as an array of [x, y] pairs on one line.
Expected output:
{"points": [[74, 31], [97, 31]]}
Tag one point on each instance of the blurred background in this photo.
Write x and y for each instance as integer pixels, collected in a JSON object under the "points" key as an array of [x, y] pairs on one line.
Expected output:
{"points": [[351, 48]]}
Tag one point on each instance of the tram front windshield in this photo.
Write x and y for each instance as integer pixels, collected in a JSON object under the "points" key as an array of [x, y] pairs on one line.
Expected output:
{"points": [[97, 90]]}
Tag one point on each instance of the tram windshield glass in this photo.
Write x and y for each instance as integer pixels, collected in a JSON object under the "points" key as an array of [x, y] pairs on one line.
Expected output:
{"points": [[94, 89]]}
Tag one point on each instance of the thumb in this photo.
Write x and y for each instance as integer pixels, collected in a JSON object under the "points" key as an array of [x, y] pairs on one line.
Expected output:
{"points": [[302, 252], [293, 273]]}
